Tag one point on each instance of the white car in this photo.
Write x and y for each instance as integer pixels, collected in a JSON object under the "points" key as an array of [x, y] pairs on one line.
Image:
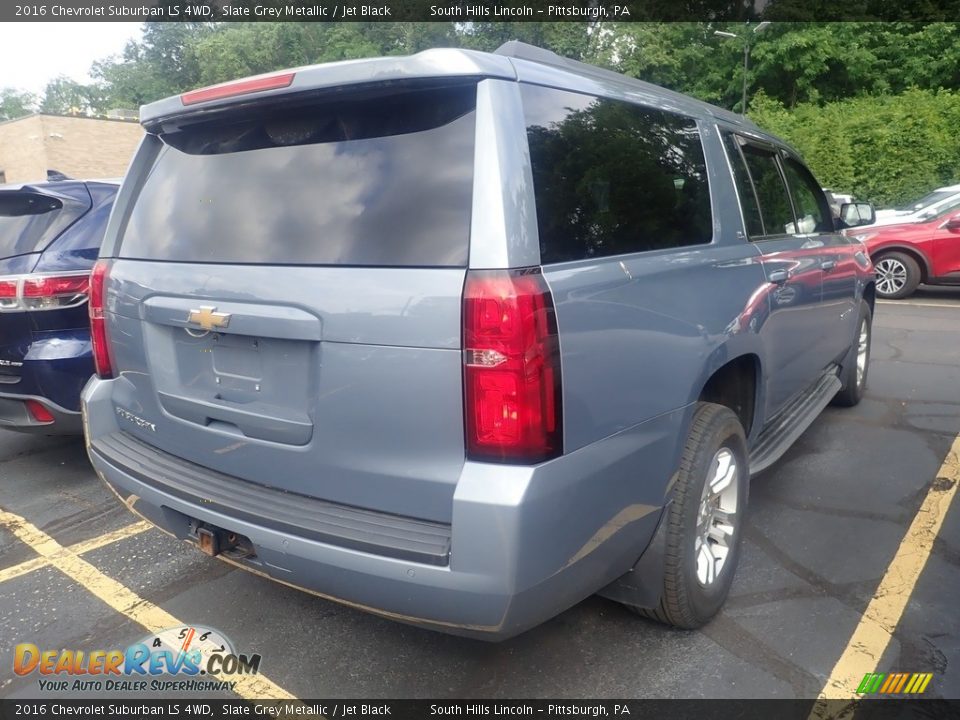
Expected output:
{"points": [[926, 207]]}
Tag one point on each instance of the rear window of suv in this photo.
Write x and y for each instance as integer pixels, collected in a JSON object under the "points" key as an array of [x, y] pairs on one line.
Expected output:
{"points": [[29, 220], [385, 179]]}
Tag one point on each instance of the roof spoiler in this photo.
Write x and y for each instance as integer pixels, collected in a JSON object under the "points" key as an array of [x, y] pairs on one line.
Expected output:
{"points": [[164, 115]]}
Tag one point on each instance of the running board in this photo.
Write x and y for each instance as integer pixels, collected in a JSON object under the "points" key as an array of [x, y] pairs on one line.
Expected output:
{"points": [[775, 439]]}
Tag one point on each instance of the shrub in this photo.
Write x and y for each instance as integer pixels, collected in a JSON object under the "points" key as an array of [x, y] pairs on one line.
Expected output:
{"points": [[886, 149]]}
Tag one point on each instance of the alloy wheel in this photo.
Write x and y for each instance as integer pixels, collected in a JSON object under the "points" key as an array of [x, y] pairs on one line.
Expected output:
{"points": [[717, 517], [891, 276], [863, 345]]}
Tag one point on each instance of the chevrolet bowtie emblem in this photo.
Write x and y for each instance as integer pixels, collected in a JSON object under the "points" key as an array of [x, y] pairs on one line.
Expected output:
{"points": [[207, 318]]}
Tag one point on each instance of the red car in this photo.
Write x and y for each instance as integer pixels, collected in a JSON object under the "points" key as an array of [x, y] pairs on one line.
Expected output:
{"points": [[912, 253]]}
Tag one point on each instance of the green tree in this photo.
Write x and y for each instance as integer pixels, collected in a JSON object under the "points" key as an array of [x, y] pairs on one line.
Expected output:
{"points": [[791, 62], [238, 49], [681, 56], [568, 39], [63, 96], [242, 49], [163, 62], [886, 149], [15, 103], [823, 62]]}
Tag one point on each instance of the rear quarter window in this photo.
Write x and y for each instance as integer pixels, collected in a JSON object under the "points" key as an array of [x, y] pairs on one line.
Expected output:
{"points": [[384, 180], [612, 178]]}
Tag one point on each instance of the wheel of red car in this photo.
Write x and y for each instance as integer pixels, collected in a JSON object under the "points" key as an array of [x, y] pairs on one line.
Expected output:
{"points": [[898, 275]]}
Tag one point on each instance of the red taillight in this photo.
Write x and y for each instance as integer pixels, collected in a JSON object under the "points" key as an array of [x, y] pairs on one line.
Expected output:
{"points": [[98, 326], [237, 87], [43, 292], [47, 292], [8, 295], [48, 286], [38, 411], [511, 367]]}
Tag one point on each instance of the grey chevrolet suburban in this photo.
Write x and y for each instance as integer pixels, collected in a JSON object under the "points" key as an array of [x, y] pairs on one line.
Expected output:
{"points": [[464, 338]]}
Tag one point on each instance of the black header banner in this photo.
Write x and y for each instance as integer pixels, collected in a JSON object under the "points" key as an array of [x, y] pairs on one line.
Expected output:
{"points": [[887, 709], [476, 10]]}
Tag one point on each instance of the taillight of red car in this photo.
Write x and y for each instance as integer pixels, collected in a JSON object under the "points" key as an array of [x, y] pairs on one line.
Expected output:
{"points": [[511, 367], [98, 327]]}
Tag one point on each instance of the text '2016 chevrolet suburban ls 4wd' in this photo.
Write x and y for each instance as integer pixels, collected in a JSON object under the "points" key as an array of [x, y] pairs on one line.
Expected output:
{"points": [[464, 338]]}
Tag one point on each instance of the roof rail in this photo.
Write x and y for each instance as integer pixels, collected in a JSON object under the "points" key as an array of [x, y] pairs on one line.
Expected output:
{"points": [[532, 53], [525, 51]]}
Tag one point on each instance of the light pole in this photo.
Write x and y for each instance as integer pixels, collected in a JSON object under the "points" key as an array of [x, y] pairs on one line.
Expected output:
{"points": [[746, 56]]}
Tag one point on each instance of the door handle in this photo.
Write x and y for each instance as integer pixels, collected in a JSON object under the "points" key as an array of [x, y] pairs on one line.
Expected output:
{"points": [[828, 265], [779, 276]]}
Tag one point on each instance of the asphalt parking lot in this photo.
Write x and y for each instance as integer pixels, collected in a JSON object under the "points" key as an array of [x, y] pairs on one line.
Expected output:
{"points": [[825, 525]]}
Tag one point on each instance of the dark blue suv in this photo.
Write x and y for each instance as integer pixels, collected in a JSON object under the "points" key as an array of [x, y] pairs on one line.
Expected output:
{"points": [[50, 234]]}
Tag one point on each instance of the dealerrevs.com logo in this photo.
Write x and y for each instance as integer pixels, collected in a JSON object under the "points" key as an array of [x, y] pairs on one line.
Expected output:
{"points": [[173, 659]]}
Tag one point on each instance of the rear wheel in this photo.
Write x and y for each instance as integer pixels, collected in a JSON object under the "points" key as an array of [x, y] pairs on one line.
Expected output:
{"points": [[705, 520], [898, 275], [857, 363]]}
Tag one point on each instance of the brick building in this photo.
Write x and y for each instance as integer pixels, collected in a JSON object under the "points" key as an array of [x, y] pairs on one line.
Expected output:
{"points": [[79, 147]]}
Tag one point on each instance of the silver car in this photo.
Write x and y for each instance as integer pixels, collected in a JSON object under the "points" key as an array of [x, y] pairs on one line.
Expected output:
{"points": [[464, 338]]}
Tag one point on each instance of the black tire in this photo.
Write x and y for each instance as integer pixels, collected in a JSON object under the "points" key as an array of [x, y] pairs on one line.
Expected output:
{"points": [[686, 602], [853, 386], [889, 266]]}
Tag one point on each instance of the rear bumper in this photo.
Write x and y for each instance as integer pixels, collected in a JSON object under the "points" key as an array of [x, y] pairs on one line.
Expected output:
{"points": [[525, 543], [54, 370], [15, 415]]}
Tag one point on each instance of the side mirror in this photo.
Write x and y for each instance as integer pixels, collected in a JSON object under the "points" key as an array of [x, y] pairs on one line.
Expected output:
{"points": [[953, 224], [856, 214]]}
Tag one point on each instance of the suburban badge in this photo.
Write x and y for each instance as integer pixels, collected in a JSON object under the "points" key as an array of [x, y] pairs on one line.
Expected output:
{"points": [[138, 421]]}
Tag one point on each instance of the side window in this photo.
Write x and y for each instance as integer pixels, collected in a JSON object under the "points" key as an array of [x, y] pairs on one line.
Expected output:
{"points": [[611, 177], [748, 198], [812, 209], [772, 194]]}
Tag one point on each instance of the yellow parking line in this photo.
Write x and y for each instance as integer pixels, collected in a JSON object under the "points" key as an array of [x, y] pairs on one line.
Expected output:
{"points": [[875, 629], [79, 548], [23, 568], [123, 600], [109, 538]]}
